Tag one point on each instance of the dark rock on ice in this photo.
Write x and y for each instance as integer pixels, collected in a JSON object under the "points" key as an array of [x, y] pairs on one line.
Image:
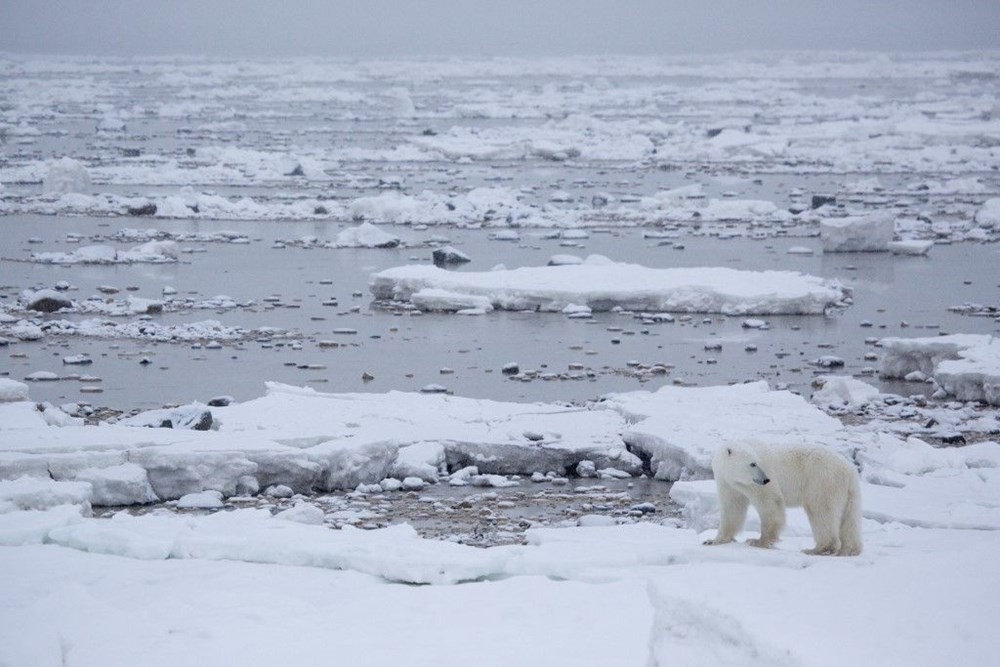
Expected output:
{"points": [[823, 200], [193, 417], [145, 209], [448, 255]]}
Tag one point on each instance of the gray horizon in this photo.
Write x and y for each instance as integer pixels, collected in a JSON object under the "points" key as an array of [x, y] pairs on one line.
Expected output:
{"points": [[349, 28]]}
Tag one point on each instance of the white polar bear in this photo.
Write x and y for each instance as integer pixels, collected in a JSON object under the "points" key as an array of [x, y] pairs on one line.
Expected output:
{"points": [[817, 479]]}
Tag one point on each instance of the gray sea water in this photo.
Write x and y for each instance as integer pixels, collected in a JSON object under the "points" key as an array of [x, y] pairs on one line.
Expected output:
{"points": [[893, 295]]}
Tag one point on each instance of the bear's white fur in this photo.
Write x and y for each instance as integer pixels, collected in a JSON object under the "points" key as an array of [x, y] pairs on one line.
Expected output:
{"points": [[773, 478]]}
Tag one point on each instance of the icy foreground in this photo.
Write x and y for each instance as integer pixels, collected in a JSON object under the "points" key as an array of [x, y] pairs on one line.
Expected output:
{"points": [[602, 285], [203, 588]]}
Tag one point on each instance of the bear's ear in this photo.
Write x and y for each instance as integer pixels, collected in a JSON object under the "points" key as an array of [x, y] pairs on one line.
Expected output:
{"points": [[729, 451]]}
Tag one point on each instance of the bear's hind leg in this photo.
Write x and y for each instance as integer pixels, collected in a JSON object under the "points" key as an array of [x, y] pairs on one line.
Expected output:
{"points": [[825, 522]]}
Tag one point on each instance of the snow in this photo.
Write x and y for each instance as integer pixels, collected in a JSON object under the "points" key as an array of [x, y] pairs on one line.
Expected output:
{"points": [[602, 285], [654, 592]]}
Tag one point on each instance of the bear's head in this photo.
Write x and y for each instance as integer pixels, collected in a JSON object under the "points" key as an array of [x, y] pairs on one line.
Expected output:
{"points": [[741, 466]]}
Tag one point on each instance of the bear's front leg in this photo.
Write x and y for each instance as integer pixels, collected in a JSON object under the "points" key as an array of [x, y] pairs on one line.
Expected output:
{"points": [[733, 507], [771, 509]]}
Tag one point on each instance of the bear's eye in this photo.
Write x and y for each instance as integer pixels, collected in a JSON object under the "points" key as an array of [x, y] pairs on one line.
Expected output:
{"points": [[753, 465]]}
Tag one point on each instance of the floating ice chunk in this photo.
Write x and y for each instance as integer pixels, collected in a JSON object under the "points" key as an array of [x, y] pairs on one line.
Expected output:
{"points": [[602, 285], [741, 210], [988, 216], [12, 390], [910, 247], [66, 176], [449, 255], [95, 254], [505, 235], [576, 311], [302, 513], [869, 233], [366, 235], [495, 481], [41, 376], [203, 500], [152, 252], [564, 260], [838, 391], [966, 366], [438, 300], [400, 102], [463, 476], [413, 484], [45, 300]]}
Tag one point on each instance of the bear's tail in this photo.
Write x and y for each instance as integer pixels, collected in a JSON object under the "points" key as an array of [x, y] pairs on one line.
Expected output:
{"points": [[850, 524]]}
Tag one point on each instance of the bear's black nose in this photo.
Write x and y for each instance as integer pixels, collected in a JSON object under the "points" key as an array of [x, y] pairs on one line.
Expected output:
{"points": [[766, 480]]}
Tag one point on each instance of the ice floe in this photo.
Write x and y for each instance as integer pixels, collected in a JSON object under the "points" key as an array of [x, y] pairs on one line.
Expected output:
{"points": [[966, 366], [602, 285]]}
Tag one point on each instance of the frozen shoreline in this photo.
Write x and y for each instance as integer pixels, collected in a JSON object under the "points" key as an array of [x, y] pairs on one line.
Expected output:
{"points": [[928, 510]]}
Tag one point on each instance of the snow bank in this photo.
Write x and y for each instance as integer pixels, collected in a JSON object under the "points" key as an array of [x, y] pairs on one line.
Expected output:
{"points": [[652, 592], [308, 440], [966, 366], [869, 233], [35, 493], [930, 516], [602, 285]]}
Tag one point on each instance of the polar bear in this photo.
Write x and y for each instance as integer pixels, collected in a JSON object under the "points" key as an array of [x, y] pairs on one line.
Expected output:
{"points": [[773, 478]]}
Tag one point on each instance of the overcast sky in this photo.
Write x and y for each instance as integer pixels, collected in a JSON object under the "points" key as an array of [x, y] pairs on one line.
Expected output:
{"points": [[490, 27]]}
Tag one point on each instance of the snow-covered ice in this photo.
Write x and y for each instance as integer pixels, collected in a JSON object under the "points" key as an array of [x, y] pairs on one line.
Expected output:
{"points": [[870, 233], [653, 590], [966, 366], [601, 285]]}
